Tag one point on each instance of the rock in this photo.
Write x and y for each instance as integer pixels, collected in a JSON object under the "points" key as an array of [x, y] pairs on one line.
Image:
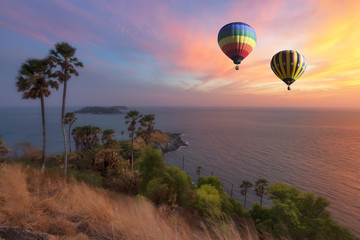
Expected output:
{"points": [[173, 144], [17, 233]]}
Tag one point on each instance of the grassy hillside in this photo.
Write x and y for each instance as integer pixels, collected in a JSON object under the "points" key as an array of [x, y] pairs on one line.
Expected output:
{"points": [[68, 209]]}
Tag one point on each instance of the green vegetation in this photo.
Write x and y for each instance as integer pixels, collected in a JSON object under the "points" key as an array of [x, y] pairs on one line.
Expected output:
{"points": [[244, 188], [301, 216], [292, 215], [147, 121]]}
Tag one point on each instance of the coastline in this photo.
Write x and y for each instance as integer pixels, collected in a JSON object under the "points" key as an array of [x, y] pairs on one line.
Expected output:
{"points": [[175, 142]]}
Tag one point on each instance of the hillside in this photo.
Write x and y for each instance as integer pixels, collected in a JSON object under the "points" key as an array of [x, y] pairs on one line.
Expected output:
{"points": [[49, 204]]}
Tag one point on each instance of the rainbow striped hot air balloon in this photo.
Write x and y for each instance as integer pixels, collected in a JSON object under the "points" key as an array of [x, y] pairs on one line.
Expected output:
{"points": [[237, 40], [288, 65]]}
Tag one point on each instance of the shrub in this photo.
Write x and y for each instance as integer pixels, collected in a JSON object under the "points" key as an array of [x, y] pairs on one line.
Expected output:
{"points": [[151, 165], [208, 202]]}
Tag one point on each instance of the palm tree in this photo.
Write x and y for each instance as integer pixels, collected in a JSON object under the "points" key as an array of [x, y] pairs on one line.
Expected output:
{"points": [[63, 57], [132, 117], [70, 119], [34, 81], [107, 136], [147, 121], [198, 170], [244, 187], [260, 188], [122, 135]]}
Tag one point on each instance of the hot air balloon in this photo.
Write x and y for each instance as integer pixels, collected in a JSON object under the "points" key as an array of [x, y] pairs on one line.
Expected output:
{"points": [[288, 65], [237, 40]]}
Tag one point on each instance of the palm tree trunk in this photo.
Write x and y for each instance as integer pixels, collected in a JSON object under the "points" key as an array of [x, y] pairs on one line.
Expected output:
{"points": [[260, 201], [245, 202], [69, 139], [132, 152], [42, 169], [63, 126]]}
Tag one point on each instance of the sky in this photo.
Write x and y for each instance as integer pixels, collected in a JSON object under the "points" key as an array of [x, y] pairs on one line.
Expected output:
{"points": [[165, 52]]}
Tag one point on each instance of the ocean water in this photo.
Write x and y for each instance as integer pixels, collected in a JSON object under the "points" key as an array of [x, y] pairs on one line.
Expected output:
{"points": [[316, 150]]}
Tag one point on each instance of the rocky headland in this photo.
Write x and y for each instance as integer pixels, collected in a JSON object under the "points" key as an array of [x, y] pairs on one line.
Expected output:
{"points": [[164, 142], [174, 143]]}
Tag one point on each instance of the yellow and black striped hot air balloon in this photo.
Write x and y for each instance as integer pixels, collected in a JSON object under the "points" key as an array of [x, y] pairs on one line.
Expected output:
{"points": [[288, 65]]}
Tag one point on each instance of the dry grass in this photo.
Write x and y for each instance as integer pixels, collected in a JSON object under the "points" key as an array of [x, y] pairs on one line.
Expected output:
{"points": [[71, 210]]}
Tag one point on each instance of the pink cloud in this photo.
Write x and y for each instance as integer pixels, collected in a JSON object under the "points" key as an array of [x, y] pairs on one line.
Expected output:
{"points": [[37, 36]]}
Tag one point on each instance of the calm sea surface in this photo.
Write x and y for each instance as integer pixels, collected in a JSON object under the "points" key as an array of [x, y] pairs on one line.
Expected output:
{"points": [[315, 150]]}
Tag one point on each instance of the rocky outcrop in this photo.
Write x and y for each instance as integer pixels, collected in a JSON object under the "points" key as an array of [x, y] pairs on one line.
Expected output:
{"points": [[17, 233], [174, 143]]}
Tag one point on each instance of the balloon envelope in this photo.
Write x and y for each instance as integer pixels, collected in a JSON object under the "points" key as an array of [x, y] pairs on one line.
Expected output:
{"points": [[288, 65], [237, 40]]}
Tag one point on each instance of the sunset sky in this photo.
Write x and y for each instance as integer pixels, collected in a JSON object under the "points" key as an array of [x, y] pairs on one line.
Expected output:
{"points": [[165, 53]]}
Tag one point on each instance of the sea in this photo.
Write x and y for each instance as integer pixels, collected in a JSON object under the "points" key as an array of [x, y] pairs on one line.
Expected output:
{"points": [[316, 150]]}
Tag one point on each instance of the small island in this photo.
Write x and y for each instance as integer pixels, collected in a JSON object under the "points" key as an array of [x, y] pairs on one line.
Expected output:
{"points": [[101, 110]]}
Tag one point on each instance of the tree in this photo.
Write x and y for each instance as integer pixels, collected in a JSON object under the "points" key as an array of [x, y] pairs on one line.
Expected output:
{"points": [[70, 119], [107, 136], [63, 56], [3, 149], [260, 188], [244, 187], [34, 80], [147, 121], [132, 118], [86, 137], [198, 170]]}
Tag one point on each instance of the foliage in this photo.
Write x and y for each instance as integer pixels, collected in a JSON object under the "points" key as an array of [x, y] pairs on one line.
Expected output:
{"points": [[121, 179], [229, 206], [63, 57], [70, 118], [151, 165], [147, 121], [163, 184], [107, 136], [125, 150], [105, 159], [86, 137], [208, 202], [299, 215], [213, 181], [132, 118], [88, 177], [260, 188], [3, 149], [244, 188], [34, 80]]}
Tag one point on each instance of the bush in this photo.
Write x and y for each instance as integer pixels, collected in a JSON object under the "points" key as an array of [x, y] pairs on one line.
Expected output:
{"points": [[229, 206], [302, 216], [122, 179], [163, 184], [208, 202], [151, 165]]}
